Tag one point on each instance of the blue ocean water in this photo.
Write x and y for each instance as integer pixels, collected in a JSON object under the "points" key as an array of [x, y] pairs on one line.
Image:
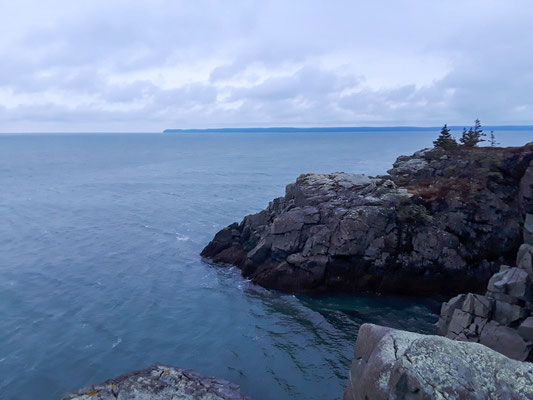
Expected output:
{"points": [[100, 270]]}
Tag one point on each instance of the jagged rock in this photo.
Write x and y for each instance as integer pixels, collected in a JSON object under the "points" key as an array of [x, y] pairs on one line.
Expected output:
{"points": [[159, 382], [524, 259], [441, 222], [514, 282], [393, 364], [446, 313], [478, 305]]}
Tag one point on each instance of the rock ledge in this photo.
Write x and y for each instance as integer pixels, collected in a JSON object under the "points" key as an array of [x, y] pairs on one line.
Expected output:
{"points": [[160, 382]]}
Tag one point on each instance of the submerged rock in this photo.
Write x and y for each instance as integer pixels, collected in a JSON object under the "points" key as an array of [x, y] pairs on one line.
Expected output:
{"points": [[160, 382], [441, 222], [393, 364]]}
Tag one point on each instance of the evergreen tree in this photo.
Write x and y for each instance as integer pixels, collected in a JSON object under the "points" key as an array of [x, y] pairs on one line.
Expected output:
{"points": [[445, 139], [473, 136], [492, 139]]}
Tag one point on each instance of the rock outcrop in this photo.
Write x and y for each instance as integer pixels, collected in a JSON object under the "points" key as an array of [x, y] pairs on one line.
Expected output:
{"points": [[160, 382], [502, 319], [393, 364], [440, 222]]}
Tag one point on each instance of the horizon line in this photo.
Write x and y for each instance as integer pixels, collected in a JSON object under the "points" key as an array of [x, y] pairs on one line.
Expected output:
{"points": [[340, 128], [277, 128]]}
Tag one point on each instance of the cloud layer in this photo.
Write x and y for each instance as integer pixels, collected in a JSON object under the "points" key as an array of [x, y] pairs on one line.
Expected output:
{"points": [[151, 65]]}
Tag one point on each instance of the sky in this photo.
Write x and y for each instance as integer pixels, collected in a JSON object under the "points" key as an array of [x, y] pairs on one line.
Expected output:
{"points": [[84, 66]]}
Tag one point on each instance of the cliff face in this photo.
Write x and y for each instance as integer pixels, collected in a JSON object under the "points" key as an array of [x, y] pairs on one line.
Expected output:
{"points": [[393, 364], [440, 222]]}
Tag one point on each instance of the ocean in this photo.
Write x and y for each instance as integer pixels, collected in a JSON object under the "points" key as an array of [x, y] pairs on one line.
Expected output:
{"points": [[100, 272]]}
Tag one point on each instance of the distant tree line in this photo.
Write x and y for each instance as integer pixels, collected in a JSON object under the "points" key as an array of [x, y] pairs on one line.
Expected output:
{"points": [[469, 138]]}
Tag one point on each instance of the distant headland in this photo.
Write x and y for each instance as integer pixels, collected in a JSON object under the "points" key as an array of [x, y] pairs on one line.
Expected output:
{"points": [[284, 129]]}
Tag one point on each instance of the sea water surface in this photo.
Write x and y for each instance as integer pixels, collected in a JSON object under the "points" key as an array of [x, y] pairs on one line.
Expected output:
{"points": [[100, 272]]}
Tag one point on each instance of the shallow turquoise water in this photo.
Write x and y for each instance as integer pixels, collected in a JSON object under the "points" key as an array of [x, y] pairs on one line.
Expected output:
{"points": [[100, 270]]}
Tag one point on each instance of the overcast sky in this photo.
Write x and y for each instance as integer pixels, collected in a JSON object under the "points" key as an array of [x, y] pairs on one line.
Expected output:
{"points": [[149, 65]]}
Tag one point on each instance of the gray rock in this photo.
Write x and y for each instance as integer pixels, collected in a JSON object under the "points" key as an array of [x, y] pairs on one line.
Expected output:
{"points": [[524, 259], [446, 313], [507, 314], [477, 305], [526, 329], [392, 364], [160, 382], [505, 340], [513, 282], [460, 321]]}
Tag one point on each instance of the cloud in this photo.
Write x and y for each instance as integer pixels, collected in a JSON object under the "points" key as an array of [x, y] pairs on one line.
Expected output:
{"points": [[150, 65]]}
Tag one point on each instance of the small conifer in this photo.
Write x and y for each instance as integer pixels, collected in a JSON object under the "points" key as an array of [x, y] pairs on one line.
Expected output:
{"points": [[492, 139], [473, 136], [445, 140]]}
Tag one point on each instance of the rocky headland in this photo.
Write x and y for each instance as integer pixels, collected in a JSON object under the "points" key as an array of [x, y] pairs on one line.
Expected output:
{"points": [[159, 382], [440, 222]]}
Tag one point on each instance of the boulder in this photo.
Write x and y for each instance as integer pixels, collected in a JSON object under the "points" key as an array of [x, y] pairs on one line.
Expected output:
{"points": [[447, 311], [159, 382], [524, 259], [513, 282], [393, 364], [505, 340]]}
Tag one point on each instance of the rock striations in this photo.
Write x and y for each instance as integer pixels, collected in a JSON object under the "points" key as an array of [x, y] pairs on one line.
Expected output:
{"points": [[398, 365], [160, 382], [440, 222]]}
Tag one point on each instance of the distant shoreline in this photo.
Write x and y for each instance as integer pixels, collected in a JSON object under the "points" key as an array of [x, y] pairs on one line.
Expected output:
{"points": [[487, 128]]}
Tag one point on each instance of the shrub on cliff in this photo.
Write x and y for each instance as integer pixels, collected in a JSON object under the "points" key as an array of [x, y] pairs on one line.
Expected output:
{"points": [[445, 140], [473, 136]]}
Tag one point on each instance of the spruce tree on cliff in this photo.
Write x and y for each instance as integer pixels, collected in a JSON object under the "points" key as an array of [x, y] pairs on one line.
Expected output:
{"points": [[445, 140], [492, 140], [473, 136]]}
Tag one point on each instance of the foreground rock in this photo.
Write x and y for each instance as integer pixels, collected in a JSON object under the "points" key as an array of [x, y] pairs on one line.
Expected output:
{"points": [[393, 364], [439, 223], [502, 319], [160, 382]]}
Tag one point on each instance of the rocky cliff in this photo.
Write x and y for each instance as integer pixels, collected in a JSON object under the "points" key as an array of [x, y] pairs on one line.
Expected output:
{"points": [[440, 222], [392, 364], [159, 382]]}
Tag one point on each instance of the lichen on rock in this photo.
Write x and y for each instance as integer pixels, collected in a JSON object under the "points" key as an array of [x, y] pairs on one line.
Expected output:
{"points": [[393, 364]]}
